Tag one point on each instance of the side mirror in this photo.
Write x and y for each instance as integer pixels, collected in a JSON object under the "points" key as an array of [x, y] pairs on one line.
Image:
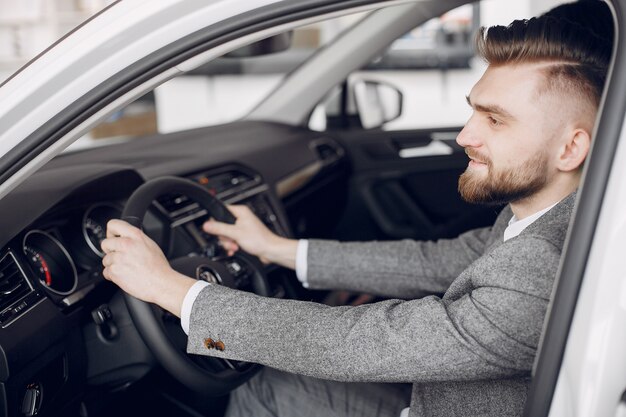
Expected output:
{"points": [[377, 103]]}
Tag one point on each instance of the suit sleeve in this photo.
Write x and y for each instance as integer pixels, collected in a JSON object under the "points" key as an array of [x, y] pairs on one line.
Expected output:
{"points": [[490, 331], [403, 269]]}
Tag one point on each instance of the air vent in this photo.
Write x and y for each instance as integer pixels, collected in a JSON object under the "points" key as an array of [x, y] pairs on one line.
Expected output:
{"points": [[13, 285], [178, 206], [226, 182], [223, 184]]}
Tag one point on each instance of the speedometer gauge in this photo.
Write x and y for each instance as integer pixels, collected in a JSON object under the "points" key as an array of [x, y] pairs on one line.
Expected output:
{"points": [[50, 262], [95, 223]]}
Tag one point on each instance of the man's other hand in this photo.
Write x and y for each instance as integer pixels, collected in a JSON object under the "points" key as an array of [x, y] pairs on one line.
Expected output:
{"points": [[250, 234]]}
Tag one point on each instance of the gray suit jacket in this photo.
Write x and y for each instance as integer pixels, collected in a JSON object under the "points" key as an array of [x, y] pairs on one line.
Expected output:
{"points": [[468, 354]]}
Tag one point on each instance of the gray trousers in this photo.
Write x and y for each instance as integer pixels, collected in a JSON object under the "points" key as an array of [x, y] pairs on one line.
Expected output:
{"points": [[273, 393]]}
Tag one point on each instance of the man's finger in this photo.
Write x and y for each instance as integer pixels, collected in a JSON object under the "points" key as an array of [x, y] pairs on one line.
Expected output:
{"points": [[109, 259], [105, 274], [224, 240], [218, 228], [230, 245], [238, 209], [114, 244], [109, 245], [116, 227]]}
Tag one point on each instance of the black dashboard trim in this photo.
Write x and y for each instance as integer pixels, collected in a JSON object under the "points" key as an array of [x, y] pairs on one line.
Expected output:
{"points": [[42, 191], [20, 314]]}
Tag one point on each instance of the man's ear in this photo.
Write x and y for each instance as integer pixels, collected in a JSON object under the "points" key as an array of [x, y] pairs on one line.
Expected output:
{"points": [[574, 150]]}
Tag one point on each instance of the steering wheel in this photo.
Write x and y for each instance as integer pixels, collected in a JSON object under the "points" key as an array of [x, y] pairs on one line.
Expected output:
{"points": [[160, 330]]}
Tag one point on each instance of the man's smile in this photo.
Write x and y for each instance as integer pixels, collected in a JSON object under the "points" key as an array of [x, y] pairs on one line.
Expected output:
{"points": [[476, 164], [476, 161]]}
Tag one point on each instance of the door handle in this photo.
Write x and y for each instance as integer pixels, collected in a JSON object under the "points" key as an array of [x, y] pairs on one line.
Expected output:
{"points": [[434, 148]]}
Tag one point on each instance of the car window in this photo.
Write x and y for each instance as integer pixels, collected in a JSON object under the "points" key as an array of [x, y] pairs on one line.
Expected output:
{"points": [[218, 92], [429, 66], [432, 67]]}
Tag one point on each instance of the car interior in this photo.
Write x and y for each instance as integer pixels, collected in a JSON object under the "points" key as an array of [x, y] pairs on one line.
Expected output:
{"points": [[315, 154]]}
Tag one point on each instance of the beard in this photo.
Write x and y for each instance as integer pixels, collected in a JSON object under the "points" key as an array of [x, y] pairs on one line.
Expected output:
{"points": [[503, 186]]}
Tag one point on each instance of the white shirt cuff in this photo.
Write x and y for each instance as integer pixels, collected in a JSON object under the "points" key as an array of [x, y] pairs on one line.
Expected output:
{"points": [[190, 298], [301, 261]]}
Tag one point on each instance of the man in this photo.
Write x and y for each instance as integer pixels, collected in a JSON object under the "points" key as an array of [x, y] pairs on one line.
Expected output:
{"points": [[467, 353]]}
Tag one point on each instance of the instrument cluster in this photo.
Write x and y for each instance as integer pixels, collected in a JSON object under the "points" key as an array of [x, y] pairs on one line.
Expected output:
{"points": [[62, 252]]}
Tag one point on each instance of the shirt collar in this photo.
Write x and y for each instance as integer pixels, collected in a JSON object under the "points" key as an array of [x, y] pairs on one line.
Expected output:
{"points": [[516, 226]]}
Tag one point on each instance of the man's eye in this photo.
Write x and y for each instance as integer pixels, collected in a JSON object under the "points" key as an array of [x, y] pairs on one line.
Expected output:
{"points": [[493, 121]]}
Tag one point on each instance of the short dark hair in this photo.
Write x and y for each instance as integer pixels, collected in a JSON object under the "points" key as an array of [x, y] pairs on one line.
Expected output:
{"points": [[576, 37]]}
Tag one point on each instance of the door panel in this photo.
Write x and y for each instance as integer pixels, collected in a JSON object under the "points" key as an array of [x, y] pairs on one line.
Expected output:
{"points": [[404, 185], [404, 182]]}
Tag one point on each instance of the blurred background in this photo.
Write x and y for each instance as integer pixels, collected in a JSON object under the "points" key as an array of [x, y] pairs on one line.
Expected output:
{"points": [[433, 66]]}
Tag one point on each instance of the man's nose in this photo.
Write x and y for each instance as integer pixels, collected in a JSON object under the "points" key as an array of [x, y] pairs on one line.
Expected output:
{"points": [[468, 136]]}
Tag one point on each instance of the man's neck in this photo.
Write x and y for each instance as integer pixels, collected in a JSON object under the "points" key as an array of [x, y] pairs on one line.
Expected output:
{"points": [[542, 199]]}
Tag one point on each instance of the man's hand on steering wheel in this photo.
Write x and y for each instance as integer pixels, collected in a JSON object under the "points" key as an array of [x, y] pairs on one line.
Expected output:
{"points": [[136, 264], [251, 235]]}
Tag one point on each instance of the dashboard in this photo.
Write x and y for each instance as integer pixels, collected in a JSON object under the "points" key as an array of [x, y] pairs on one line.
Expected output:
{"points": [[62, 325], [59, 256]]}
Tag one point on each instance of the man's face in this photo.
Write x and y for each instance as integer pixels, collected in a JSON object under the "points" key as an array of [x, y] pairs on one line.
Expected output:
{"points": [[510, 137]]}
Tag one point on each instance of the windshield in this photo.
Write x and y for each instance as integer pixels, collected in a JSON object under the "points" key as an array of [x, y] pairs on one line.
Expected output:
{"points": [[221, 91]]}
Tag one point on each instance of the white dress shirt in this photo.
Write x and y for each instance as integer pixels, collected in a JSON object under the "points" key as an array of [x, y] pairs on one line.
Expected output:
{"points": [[516, 227]]}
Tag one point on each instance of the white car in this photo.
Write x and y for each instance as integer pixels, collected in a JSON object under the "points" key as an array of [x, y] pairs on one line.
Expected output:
{"points": [[316, 152]]}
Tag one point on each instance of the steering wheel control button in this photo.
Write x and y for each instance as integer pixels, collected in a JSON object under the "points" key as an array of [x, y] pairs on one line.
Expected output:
{"points": [[205, 273], [234, 268]]}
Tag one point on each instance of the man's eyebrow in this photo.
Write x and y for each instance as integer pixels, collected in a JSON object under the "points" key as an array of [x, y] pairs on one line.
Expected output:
{"points": [[489, 108]]}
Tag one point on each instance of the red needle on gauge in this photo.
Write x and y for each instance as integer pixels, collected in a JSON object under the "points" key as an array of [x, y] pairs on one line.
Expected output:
{"points": [[44, 265]]}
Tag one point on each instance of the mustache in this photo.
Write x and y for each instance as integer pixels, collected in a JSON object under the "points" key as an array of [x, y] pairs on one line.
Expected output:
{"points": [[472, 154]]}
